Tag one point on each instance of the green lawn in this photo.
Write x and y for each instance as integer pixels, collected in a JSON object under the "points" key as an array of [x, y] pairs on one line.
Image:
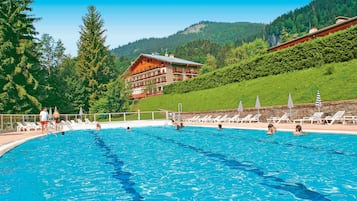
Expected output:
{"points": [[337, 81]]}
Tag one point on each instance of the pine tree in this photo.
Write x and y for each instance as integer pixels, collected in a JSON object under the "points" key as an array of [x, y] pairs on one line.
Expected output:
{"points": [[69, 88], [19, 60], [95, 62]]}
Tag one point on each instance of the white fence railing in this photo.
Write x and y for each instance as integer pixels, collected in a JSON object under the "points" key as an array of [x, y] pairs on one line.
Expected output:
{"points": [[8, 121]]}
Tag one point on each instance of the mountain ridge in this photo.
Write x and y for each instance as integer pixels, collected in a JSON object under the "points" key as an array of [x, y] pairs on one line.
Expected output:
{"points": [[297, 22], [217, 32]]}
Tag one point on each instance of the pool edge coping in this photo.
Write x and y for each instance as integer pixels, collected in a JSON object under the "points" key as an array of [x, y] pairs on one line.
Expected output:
{"points": [[4, 148]]}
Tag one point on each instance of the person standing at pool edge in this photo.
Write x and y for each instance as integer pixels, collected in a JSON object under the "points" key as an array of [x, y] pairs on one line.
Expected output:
{"points": [[44, 119], [56, 116]]}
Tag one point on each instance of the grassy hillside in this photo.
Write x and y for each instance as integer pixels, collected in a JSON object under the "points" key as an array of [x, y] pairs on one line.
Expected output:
{"points": [[336, 81], [336, 47]]}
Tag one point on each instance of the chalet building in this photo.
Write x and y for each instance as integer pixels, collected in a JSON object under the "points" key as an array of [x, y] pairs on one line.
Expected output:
{"points": [[341, 23], [150, 72]]}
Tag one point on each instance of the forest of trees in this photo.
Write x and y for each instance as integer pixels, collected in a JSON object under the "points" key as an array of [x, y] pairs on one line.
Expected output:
{"points": [[214, 56], [217, 32], [319, 14], [36, 73]]}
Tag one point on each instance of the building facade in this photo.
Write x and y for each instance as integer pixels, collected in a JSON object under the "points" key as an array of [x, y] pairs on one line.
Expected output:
{"points": [[149, 73]]}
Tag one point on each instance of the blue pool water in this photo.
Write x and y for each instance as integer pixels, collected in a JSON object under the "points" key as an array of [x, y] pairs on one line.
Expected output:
{"points": [[161, 163]]}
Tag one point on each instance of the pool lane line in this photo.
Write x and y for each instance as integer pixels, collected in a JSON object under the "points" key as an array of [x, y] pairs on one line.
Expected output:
{"points": [[119, 174], [298, 189]]}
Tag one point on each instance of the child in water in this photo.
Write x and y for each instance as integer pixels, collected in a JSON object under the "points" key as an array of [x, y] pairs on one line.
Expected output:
{"points": [[298, 130], [271, 129], [98, 127]]}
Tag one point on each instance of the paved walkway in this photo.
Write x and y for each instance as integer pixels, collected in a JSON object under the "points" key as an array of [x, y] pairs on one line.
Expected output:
{"points": [[13, 139]]}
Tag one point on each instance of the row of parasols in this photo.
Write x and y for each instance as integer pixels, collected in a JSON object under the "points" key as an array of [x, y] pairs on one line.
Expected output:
{"points": [[318, 103]]}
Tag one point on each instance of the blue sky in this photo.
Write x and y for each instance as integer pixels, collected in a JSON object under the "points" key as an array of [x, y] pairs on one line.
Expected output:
{"points": [[128, 21]]}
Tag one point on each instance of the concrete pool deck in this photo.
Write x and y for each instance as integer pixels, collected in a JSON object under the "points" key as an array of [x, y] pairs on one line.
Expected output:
{"points": [[13, 139]]}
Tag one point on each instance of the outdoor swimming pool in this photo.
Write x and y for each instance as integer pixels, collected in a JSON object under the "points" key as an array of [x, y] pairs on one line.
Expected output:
{"points": [[162, 163]]}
